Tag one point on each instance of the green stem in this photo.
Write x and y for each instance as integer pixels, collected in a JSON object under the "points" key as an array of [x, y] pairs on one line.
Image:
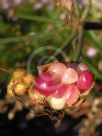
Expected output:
{"points": [[23, 38], [79, 46], [5, 70], [39, 19], [86, 11], [81, 33], [15, 39], [69, 40], [93, 38], [76, 5]]}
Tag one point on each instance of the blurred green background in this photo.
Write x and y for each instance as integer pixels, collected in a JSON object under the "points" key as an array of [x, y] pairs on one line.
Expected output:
{"points": [[30, 25]]}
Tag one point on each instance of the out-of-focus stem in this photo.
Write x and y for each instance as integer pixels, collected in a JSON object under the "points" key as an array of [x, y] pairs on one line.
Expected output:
{"points": [[76, 6], [81, 33], [79, 46], [39, 19], [23, 38], [86, 11], [15, 39], [5, 70], [92, 36], [69, 40]]}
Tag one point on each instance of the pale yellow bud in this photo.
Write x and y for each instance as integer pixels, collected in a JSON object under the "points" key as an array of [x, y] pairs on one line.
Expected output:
{"points": [[57, 103]]}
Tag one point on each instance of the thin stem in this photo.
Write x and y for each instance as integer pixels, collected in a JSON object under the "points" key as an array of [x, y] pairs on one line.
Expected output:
{"points": [[5, 70], [79, 46], [24, 38], [16, 39], [76, 5], [63, 46], [81, 33], [39, 19], [86, 11], [93, 38], [87, 25]]}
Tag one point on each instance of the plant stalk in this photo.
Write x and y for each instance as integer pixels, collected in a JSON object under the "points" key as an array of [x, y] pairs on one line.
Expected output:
{"points": [[79, 46]]}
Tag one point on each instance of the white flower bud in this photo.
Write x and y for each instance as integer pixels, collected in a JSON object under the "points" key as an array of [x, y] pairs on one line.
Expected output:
{"points": [[57, 103]]}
